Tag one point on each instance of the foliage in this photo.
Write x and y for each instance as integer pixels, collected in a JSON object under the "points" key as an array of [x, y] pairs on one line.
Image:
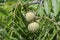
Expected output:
{"points": [[13, 25]]}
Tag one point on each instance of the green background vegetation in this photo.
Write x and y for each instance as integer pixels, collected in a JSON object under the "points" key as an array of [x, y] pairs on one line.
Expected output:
{"points": [[13, 25]]}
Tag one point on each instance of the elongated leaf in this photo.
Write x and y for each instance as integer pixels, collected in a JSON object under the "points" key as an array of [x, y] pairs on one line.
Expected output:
{"points": [[55, 7], [11, 2], [9, 19], [3, 11], [40, 11], [58, 3], [47, 6]]}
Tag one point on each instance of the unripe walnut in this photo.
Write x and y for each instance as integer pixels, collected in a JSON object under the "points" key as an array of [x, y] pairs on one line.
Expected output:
{"points": [[33, 27], [30, 16]]}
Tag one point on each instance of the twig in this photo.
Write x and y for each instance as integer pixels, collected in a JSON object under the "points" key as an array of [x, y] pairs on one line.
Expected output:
{"points": [[31, 3], [41, 3], [36, 2]]}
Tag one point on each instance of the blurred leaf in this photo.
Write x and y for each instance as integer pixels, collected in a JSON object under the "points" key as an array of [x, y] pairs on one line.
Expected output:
{"points": [[40, 11], [47, 6], [55, 7], [54, 33], [3, 11], [4, 24], [58, 4], [10, 2], [33, 7], [3, 33], [9, 19]]}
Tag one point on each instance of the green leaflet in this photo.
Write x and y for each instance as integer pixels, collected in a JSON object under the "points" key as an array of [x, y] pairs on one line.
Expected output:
{"points": [[3, 11], [9, 19], [47, 6], [11, 1], [55, 7], [40, 11]]}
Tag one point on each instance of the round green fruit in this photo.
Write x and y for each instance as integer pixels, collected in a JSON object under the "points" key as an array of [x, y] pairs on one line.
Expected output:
{"points": [[30, 16], [33, 27]]}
